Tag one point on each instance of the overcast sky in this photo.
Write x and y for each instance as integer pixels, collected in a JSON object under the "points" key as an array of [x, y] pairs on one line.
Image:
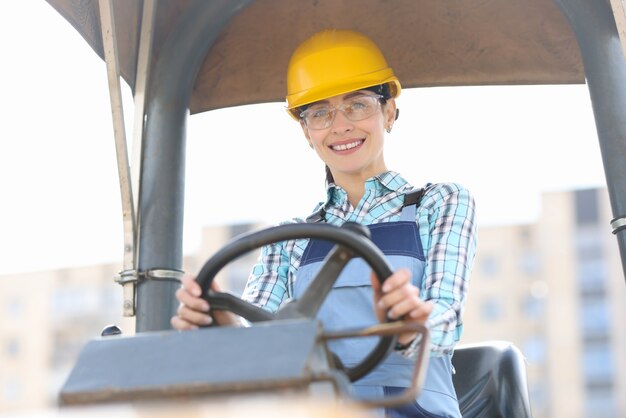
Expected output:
{"points": [[60, 194]]}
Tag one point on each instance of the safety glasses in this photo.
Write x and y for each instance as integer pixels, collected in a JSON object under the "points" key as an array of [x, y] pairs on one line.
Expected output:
{"points": [[322, 115]]}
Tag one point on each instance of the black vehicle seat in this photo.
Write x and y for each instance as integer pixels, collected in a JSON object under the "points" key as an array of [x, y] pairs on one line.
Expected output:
{"points": [[490, 381]]}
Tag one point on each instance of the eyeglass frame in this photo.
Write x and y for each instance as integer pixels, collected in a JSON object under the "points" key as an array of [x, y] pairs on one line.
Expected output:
{"points": [[380, 100]]}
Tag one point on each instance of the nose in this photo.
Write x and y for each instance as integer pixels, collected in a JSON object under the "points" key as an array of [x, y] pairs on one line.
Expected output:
{"points": [[341, 124]]}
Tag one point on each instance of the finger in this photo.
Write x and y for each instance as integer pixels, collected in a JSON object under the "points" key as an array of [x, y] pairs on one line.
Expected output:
{"points": [[406, 292], [405, 307], [226, 318], [398, 279], [194, 317], [215, 287], [422, 312], [409, 311], [193, 302], [190, 284], [181, 325], [401, 306]]}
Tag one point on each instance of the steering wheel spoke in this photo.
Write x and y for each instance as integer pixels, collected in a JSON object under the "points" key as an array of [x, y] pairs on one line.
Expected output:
{"points": [[311, 301], [222, 301]]}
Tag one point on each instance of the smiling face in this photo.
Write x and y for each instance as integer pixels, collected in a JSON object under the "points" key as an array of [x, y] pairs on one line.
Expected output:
{"points": [[353, 150]]}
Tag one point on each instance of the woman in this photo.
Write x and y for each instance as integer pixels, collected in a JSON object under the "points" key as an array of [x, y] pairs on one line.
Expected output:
{"points": [[342, 92]]}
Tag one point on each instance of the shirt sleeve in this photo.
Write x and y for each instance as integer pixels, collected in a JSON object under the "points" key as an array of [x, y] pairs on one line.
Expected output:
{"points": [[267, 283], [448, 231]]}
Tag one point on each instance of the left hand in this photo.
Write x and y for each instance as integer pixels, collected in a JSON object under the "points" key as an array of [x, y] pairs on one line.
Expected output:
{"points": [[398, 298]]}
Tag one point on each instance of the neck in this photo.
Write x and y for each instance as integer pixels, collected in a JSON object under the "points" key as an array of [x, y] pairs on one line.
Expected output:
{"points": [[355, 193]]}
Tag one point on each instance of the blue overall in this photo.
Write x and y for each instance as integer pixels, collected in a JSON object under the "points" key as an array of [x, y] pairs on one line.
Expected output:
{"points": [[350, 305]]}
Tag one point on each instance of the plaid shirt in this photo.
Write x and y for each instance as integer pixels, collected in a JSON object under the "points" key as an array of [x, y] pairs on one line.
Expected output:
{"points": [[445, 220]]}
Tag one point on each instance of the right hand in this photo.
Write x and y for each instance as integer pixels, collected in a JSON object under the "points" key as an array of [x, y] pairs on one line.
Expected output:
{"points": [[193, 311]]}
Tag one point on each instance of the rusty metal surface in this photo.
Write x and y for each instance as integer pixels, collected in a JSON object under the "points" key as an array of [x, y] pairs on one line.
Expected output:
{"points": [[428, 42]]}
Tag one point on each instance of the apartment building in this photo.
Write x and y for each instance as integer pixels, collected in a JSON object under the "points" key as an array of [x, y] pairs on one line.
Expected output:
{"points": [[48, 316], [556, 289]]}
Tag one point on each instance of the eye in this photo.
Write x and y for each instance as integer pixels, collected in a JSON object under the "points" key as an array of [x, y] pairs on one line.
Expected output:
{"points": [[318, 113], [359, 103]]}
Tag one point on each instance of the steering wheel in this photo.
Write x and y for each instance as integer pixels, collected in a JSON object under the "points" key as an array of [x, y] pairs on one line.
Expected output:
{"points": [[351, 239]]}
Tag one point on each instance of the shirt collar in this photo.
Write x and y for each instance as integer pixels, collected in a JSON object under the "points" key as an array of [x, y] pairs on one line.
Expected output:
{"points": [[380, 184]]}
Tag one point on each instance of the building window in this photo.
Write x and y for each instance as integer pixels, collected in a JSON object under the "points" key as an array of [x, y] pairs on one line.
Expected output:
{"points": [[14, 308], [600, 401], [534, 349], [12, 348], [530, 263], [489, 266], [534, 308], [589, 248], [75, 300], [594, 317], [491, 309], [598, 367], [591, 276], [586, 206]]}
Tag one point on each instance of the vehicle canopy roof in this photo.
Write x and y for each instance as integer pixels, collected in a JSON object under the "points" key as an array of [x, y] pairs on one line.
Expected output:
{"points": [[427, 43]]}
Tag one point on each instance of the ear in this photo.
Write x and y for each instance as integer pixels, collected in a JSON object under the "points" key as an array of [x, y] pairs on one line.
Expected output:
{"points": [[390, 112]]}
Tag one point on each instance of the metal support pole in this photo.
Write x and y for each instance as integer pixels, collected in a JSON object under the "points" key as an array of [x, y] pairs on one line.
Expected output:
{"points": [[605, 70], [163, 170]]}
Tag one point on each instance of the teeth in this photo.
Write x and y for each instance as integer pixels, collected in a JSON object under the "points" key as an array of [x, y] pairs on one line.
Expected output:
{"points": [[344, 147]]}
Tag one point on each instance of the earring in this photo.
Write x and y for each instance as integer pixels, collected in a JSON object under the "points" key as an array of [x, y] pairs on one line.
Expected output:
{"points": [[388, 129]]}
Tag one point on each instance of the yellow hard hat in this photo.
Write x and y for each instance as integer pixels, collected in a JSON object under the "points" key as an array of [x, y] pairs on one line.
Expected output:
{"points": [[334, 62]]}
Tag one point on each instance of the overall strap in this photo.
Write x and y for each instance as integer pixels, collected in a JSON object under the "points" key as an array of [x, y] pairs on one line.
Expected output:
{"points": [[413, 197], [412, 200]]}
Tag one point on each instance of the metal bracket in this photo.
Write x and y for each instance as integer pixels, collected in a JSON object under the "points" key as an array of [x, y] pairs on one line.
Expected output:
{"points": [[162, 274], [134, 276], [618, 224], [129, 279]]}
